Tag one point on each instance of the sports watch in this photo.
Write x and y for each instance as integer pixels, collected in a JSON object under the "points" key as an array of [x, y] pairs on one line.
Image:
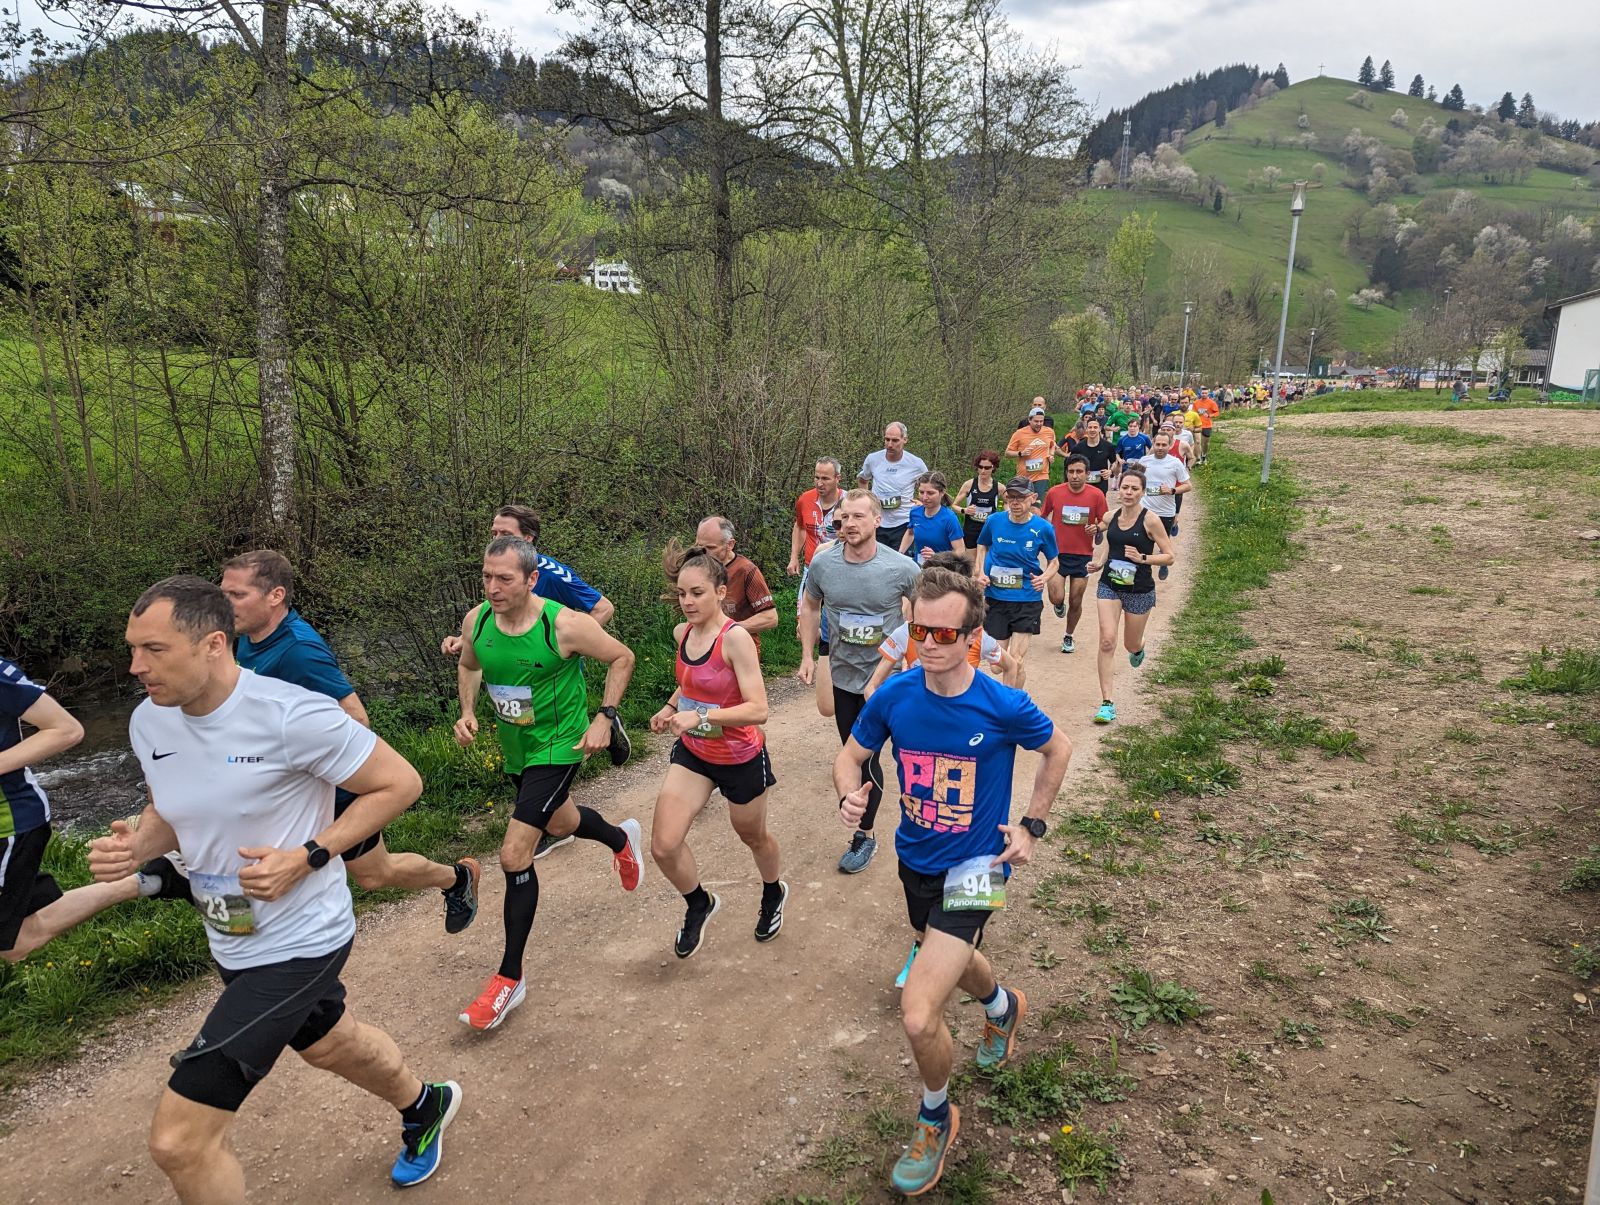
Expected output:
{"points": [[1037, 827], [316, 856], [608, 711]]}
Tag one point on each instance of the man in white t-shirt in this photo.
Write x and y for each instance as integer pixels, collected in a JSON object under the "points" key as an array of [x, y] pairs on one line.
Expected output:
{"points": [[891, 474], [1165, 478], [241, 771]]}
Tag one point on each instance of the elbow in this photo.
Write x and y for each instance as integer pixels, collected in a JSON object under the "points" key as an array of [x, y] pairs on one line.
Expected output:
{"points": [[624, 663], [760, 713], [70, 733], [603, 611]]}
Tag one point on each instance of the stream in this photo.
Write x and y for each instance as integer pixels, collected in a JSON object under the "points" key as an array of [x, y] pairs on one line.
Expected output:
{"points": [[98, 780]]}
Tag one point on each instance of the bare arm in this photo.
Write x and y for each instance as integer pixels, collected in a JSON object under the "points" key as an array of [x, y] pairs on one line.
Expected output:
{"points": [[355, 709], [797, 541], [603, 611], [761, 621], [1054, 756], [810, 630], [469, 674], [56, 730], [740, 653], [581, 636]]}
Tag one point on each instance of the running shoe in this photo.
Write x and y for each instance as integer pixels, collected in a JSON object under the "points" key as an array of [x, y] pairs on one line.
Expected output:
{"points": [[921, 1166], [1161, 574], [549, 842], [693, 933], [1060, 609], [498, 998], [861, 851], [424, 1140], [620, 747], [905, 971], [461, 904], [1174, 531], [771, 919], [1067, 646], [1136, 659], [159, 879], [994, 1048], [1106, 714], [630, 862]]}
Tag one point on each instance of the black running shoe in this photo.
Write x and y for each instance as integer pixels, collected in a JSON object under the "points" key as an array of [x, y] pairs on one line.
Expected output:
{"points": [[694, 928], [461, 903], [771, 918], [620, 746]]}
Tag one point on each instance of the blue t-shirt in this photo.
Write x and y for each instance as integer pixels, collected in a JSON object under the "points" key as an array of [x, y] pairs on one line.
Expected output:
{"points": [[294, 652], [955, 758], [1013, 556], [1133, 447], [941, 533], [559, 583], [23, 804]]}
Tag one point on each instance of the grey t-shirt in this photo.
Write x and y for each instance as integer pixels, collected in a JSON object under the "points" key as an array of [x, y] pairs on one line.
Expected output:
{"points": [[894, 482], [862, 602]]}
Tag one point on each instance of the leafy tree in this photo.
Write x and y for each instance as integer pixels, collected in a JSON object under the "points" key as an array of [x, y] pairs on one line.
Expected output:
{"points": [[1281, 77], [1527, 115], [1368, 75], [1455, 100], [1507, 108], [1416, 86], [1386, 77]]}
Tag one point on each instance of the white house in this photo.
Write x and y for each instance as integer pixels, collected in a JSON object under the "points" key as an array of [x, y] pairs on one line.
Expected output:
{"points": [[1575, 342]]}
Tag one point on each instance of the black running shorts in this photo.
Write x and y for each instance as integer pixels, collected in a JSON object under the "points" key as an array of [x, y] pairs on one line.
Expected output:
{"points": [[925, 908], [738, 783], [1002, 618], [541, 790], [24, 889]]}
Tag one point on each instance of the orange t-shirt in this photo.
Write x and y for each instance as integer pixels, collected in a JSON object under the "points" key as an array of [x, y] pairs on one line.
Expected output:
{"points": [[1208, 411], [1032, 450]]}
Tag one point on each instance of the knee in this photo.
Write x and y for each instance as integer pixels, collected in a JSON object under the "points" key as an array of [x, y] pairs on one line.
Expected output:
{"points": [[565, 821], [921, 1020], [755, 838], [175, 1149], [663, 850], [516, 855], [332, 1050], [1108, 644]]}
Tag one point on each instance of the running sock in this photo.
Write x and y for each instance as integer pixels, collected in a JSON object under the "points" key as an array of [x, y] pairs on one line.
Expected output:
{"points": [[416, 1111], [522, 901], [771, 892], [699, 900], [1105, 702], [592, 826], [936, 1103], [998, 1005], [462, 879]]}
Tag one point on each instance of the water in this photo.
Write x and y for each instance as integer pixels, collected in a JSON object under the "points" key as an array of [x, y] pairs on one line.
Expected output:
{"points": [[98, 780]]}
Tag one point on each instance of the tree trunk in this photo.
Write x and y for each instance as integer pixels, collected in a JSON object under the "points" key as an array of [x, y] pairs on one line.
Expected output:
{"points": [[717, 178], [274, 372]]}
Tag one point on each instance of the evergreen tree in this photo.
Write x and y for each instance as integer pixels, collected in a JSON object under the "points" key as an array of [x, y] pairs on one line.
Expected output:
{"points": [[1386, 77], [1433, 93], [1216, 202], [1455, 99], [1367, 75], [1280, 77], [1416, 86], [1222, 116], [1527, 115], [1507, 108]]}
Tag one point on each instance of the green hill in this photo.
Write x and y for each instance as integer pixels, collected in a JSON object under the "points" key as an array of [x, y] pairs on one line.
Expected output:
{"points": [[1252, 231]]}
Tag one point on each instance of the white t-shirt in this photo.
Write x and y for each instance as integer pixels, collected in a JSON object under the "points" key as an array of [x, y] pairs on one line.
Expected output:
{"points": [[259, 771], [894, 483], [1159, 471]]}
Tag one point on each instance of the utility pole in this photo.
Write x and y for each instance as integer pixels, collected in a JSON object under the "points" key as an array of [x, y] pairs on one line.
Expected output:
{"points": [[1296, 208], [1183, 359], [1127, 138]]}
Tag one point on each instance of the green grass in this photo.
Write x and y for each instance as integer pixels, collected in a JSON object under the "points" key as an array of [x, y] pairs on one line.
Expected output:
{"points": [[1433, 437], [1569, 672], [1142, 1001]]}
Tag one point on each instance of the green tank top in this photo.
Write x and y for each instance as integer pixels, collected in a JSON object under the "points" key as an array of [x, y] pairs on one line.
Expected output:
{"points": [[540, 702]]}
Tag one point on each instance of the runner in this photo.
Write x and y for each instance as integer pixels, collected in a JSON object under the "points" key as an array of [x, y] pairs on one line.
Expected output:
{"points": [[931, 527], [978, 497], [1166, 480], [1135, 443], [748, 601], [860, 586], [1011, 544], [275, 642], [1034, 447], [526, 650], [1077, 512], [899, 652], [955, 734], [815, 522], [716, 713], [890, 474], [1208, 411], [241, 771], [1098, 454], [1135, 540]]}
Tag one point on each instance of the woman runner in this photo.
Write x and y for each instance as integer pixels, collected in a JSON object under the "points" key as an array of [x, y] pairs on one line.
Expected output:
{"points": [[1135, 540], [716, 713], [978, 497], [932, 527]]}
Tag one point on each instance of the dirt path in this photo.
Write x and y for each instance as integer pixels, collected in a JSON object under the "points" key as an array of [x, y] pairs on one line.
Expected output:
{"points": [[627, 1076]]}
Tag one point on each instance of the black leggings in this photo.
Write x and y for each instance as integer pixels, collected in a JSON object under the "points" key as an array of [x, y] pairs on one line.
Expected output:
{"points": [[847, 707]]}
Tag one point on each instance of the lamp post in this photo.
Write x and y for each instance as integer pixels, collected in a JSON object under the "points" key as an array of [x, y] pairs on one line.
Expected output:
{"points": [[1183, 359], [1296, 208], [1310, 358]]}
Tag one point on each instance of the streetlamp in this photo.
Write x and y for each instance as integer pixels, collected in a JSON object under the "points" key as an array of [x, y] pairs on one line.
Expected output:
{"points": [[1183, 360], [1296, 208], [1310, 345]]}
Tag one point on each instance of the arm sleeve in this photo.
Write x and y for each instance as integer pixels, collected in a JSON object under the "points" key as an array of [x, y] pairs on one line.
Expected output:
{"points": [[17, 691], [323, 741], [952, 526], [315, 669], [560, 584], [815, 571], [871, 728], [1025, 723], [895, 644], [1048, 542], [983, 533], [758, 592]]}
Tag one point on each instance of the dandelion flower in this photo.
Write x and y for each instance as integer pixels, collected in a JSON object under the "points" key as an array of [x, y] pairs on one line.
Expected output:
{"points": [[1066, 1129]]}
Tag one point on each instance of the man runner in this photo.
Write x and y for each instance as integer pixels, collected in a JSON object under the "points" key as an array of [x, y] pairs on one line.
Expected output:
{"points": [[955, 735], [1075, 509], [1034, 446], [1166, 480], [860, 585], [891, 474], [749, 600], [241, 771], [525, 649], [1098, 454], [815, 522], [1011, 544]]}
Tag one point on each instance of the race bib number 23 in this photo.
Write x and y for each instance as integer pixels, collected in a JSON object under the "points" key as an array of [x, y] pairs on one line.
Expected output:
{"points": [[223, 904]]}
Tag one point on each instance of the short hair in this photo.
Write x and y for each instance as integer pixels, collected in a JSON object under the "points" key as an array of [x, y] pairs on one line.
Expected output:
{"points": [[865, 496], [987, 454], [1136, 469], [725, 526], [268, 568], [525, 517], [935, 583], [833, 463], [675, 558], [199, 607], [905, 432], [1076, 458], [527, 554], [1163, 429], [955, 562], [1091, 418]]}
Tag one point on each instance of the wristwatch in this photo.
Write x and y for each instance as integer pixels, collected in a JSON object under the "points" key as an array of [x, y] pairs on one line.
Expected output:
{"points": [[1037, 827], [608, 711], [704, 712], [316, 856]]}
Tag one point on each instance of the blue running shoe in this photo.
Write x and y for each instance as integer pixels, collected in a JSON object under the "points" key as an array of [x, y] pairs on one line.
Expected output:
{"points": [[905, 971], [920, 1167], [994, 1048], [1136, 659], [1106, 714], [855, 859], [424, 1139]]}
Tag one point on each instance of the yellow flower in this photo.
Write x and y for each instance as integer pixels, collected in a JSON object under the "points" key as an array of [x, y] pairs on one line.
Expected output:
{"points": [[1066, 1129], [1156, 814]]}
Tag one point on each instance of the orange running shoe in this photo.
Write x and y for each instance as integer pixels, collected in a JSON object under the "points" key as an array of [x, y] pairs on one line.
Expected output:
{"points": [[490, 1008], [630, 862]]}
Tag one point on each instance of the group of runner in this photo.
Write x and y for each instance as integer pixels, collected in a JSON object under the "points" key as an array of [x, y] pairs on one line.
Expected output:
{"points": [[268, 788]]}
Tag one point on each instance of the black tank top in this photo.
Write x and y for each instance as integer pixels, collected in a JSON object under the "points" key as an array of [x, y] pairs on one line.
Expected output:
{"points": [[1118, 540], [987, 498]]}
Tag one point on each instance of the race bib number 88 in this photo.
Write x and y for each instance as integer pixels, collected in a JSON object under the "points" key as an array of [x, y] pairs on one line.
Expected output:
{"points": [[976, 885]]}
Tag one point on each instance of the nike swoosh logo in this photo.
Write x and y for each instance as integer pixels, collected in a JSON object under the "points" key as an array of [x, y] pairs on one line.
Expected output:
{"points": [[154, 756]]}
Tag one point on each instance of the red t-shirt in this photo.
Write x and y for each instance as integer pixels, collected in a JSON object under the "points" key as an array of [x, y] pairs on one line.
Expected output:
{"points": [[1070, 514], [815, 522]]}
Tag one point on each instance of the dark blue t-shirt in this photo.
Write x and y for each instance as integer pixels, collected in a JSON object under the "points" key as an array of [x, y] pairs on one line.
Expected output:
{"points": [[955, 758], [23, 805], [1013, 555], [294, 652]]}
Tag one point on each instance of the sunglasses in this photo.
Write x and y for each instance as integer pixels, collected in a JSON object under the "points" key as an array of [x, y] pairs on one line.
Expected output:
{"points": [[920, 633], [987, 465]]}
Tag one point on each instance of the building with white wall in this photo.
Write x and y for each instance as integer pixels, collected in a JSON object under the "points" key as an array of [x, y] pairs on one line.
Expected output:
{"points": [[1575, 341]]}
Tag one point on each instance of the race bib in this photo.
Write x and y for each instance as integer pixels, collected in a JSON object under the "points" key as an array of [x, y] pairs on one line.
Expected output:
{"points": [[1033, 465], [1152, 491], [705, 728], [223, 903], [1074, 516], [1120, 573], [976, 885], [1094, 474], [855, 628], [1006, 579], [513, 704], [890, 503], [979, 512]]}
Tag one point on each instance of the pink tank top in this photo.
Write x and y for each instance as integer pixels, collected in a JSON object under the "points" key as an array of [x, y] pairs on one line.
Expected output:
{"points": [[711, 681]]}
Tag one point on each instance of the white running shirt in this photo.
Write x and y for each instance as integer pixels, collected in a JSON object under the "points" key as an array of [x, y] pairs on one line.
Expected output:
{"points": [[259, 771], [895, 484], [1159, 471]]}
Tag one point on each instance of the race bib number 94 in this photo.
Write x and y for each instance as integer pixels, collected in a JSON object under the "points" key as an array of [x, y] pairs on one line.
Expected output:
{"points": [[976, 885], [223, 903]]}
